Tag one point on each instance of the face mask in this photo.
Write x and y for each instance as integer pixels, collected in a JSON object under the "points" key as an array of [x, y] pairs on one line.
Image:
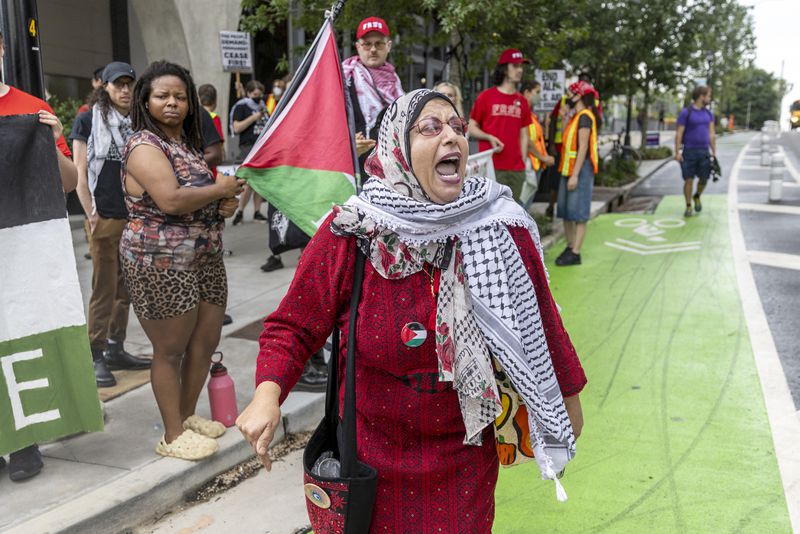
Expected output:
{"points": [[277, 91], [571, 103]]}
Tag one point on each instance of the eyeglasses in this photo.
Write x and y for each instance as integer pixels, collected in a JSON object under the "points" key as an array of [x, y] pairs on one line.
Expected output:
{"points": [[378, 45], [431, 126], [121, 84]]}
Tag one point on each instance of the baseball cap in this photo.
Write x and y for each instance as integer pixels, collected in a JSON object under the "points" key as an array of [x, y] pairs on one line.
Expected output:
{"points": [[372, 24], [117, 69], [511, 55]]}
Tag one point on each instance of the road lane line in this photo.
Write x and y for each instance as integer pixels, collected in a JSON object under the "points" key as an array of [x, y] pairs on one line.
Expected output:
{"points": [[765, 183], [644, 246], [770, 208], [778, 400], [649, 252], [791, 168], [774, 259], [755, 168]]}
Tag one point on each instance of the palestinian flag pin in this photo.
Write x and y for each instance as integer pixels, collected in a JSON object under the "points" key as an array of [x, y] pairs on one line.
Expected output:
{"points": [[414, 334]]}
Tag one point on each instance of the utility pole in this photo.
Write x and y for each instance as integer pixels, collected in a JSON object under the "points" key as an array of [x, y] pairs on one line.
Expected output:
{"points": [[780, 89], [747, 120], [22, 65]]}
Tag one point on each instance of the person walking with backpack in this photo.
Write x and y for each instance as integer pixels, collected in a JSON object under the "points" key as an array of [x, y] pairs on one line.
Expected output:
{"points": [[695, 146]]}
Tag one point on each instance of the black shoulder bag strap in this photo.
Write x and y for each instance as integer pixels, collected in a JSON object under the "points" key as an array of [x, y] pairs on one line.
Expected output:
{"points": [[346, 431]]}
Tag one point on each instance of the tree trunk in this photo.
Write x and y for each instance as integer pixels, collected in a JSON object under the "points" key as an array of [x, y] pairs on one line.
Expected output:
{"points": [[628, 118], [645, 107], [453, 70]]}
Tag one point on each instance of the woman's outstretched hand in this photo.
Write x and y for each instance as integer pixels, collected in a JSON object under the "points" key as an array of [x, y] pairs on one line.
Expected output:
{"points": [[259, 421]]}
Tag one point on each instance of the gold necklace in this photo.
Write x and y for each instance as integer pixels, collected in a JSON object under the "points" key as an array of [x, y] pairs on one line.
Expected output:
{"points": [[431, 276]]}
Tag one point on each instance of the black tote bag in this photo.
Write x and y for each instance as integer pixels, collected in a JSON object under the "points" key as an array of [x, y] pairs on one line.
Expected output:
{"points": [[340, 505], [284, 235]]}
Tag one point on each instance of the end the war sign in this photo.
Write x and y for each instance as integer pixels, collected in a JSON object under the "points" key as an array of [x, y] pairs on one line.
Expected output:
{"points": [[47, 385], [237, 51], [553, 82]]}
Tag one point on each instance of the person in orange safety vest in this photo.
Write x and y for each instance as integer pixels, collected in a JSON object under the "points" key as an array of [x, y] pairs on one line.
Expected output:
{"points": [[537, 156], [578, 166]]}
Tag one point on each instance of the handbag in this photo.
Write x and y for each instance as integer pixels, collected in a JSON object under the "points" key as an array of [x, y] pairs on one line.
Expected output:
{"points": [[340, 504], [512, 431]]}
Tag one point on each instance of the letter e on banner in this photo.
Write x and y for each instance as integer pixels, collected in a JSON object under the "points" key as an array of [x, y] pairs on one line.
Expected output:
{"points": [[15, 388]]}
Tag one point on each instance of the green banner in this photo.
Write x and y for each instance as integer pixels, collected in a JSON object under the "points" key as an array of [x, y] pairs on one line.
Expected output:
{"points": [[47, 388]]}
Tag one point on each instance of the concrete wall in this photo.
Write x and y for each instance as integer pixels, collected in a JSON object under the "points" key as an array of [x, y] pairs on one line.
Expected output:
{"points": [[76, 36], [184, 32]]}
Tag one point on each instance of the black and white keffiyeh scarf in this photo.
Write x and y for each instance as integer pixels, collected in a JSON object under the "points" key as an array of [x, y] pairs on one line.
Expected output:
{"points": [[109, 130], [487, 304]]}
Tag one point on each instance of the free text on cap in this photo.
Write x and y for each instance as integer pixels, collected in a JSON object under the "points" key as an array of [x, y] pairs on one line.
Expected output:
{"points": [[512, 55], [372, 24]]}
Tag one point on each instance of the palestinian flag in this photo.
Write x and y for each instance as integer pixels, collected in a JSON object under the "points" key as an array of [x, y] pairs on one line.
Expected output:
{"points": [[47, 385], [303, 162], [413, 334]]}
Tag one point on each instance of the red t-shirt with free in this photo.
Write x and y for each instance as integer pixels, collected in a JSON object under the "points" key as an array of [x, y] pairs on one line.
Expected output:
{"points": [[16, 102], [503, 116]]}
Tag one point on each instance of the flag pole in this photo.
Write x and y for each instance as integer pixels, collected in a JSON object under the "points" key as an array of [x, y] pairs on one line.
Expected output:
{"points": [[331, 15]]}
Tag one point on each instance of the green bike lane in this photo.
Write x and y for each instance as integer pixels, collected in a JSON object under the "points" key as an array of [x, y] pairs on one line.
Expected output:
{"points": [[676, 435]]}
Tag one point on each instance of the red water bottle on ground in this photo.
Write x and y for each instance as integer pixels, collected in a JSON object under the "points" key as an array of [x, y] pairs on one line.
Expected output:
{"points": [[222, 394]]}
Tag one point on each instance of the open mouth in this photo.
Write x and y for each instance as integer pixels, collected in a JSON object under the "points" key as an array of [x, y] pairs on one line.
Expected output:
{"points": [[448, 167]]}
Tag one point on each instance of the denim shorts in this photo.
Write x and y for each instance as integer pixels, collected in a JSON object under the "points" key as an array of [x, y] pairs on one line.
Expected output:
{"points": [[576, 205], [696, 162]]}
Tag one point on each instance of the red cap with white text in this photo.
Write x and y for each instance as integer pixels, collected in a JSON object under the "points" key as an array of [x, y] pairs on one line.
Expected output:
{"points": [[372, 24], [511, 55]]}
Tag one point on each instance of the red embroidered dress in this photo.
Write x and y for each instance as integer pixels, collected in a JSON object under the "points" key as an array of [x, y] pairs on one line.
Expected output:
{"points": [[409, 424]]}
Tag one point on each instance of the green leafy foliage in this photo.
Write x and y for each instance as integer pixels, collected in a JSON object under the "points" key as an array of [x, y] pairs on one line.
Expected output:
{"points": [[660, 152], [629, 47], [616, 172], [65, 110], [759, 89]]}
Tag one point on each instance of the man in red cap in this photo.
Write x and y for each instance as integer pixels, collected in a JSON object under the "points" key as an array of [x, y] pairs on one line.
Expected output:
{"points": [[500, 119], [372, 82]]}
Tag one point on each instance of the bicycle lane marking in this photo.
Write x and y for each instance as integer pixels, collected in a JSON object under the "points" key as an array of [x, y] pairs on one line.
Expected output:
{"points": [[783, 418], [670, 375]]}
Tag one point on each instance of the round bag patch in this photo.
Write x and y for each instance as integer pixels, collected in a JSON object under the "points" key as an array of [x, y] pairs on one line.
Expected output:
{"points": [[317, 495]]}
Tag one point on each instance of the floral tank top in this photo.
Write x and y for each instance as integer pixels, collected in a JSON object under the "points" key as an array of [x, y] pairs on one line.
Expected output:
{"points": [[153, 238]]}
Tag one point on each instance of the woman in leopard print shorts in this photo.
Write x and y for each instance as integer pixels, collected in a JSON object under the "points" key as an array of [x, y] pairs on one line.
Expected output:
{"points": [[171, 250]]}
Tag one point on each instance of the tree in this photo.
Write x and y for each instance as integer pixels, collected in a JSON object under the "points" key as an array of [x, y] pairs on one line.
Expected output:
{"points": [[722, 43], [628, 46], [757, 90], [472, 33]]}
